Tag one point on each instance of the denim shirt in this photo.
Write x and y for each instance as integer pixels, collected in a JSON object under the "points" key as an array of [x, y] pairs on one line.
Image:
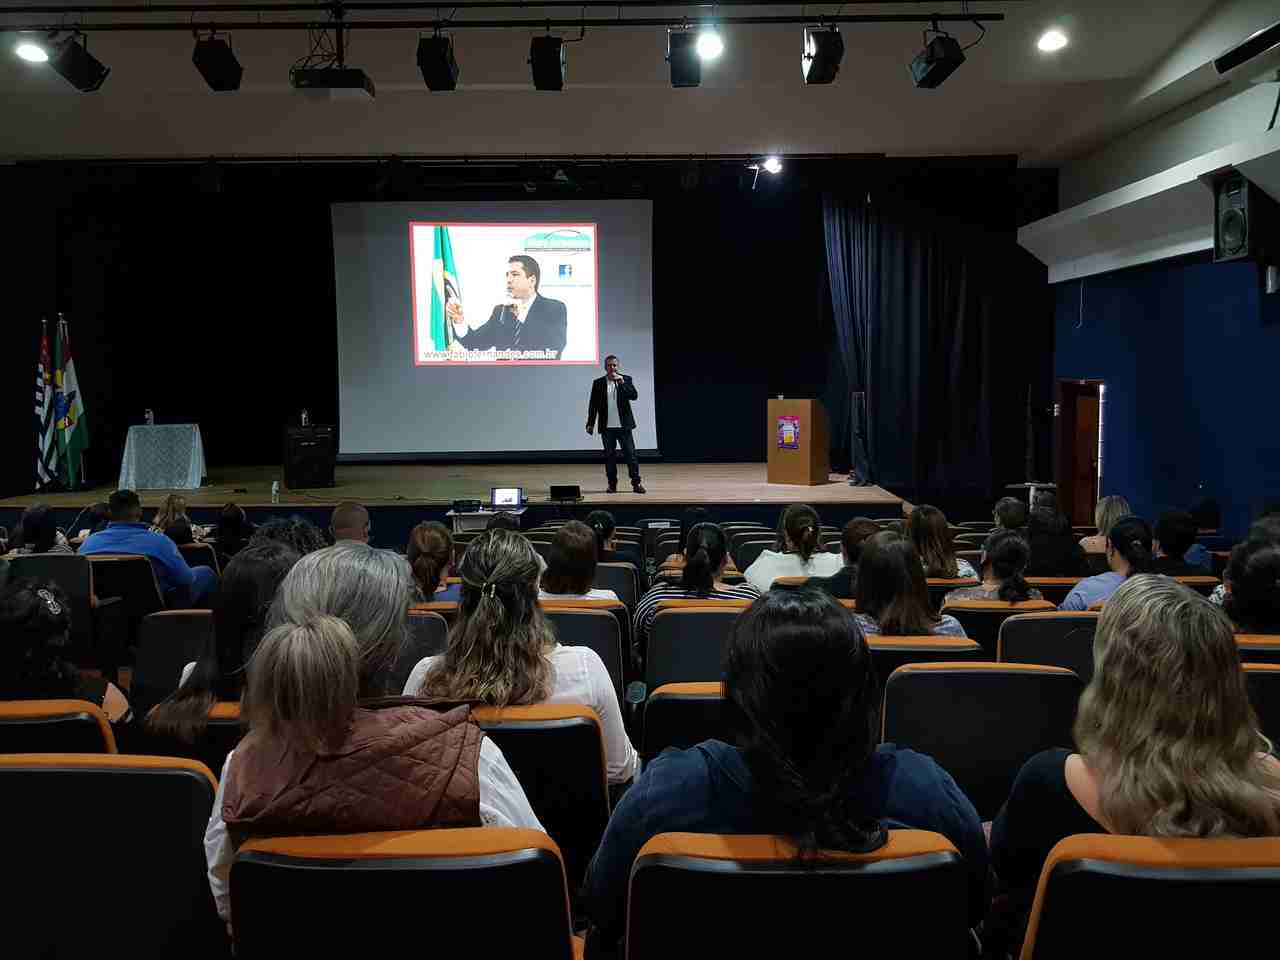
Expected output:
{"points": [[708, 789]]}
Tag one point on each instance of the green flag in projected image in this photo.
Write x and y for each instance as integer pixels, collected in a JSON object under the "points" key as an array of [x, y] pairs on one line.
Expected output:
{"points": [[444, 288]]}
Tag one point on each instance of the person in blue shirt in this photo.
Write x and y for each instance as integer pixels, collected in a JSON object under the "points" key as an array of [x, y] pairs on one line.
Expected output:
{"points": [[801, 701], [182, 585], [1128, 551]]}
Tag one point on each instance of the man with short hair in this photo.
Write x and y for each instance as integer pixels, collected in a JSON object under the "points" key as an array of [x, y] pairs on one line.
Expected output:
{"points": [[1010, 514], [526, 321], [610, 406], [350, 521], [1175, 535], [182, 584]]}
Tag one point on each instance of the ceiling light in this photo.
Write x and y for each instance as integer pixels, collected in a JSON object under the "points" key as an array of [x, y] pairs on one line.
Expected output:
{"points": [[32, 51], [74, 63], [217, 63], [547, 60], [686, 67], [1051, 41], [710, 44], [438, 64], [823, 51], [772, 165]]}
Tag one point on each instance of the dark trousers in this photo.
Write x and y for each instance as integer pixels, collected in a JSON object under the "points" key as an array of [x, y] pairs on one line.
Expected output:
{"points": [[611, 437]]}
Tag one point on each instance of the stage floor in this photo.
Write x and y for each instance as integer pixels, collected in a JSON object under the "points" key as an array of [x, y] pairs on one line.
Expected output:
{"points": [[432, 485]]}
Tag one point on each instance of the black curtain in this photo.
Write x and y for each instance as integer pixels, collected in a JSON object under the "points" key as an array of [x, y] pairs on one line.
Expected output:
{"points": [[850, 269]]}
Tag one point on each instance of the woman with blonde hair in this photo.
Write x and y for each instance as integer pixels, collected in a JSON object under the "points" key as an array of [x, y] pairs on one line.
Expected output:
{"points": [[172, 520], [321, 731], [503, 651], [1168, 744], [1105, 514]]}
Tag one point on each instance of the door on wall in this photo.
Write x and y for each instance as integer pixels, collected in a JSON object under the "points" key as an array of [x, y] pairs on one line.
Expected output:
{"points": [[1078, 417]]}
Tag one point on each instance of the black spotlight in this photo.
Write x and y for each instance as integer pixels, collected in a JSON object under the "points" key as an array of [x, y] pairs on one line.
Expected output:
{"points": [[547, 58], [75, 64], [937, 61], [682, 54], [823, 51], [437, 63], [217, 64]]}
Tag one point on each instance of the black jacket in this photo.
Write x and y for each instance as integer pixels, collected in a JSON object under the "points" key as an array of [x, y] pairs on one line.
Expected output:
{"points": [[1056, 556], [598, 408], [545, 328], [839, 585]]}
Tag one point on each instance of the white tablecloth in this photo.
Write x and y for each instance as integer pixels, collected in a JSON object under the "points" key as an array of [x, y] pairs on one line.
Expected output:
{"points": [[163, 457]]}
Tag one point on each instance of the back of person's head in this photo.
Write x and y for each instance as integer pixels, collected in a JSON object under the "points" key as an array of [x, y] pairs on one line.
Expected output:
{"points": [[429, 553], [35, 628], [1166, 723], [1176, 531], [929, 532], [1010, 513], [1108, 511], [1044, 498], [37, 529], [503, 520], [1253, 578], [368, 589], [855, 532], [1265, 528], [705, 550], [1007, 554], [1048, 523], [801, 700], [690, 518], [1131, 538], [179, 531], [233, 523], [298, 532], [350, 521], [97, 516], [571, 561], [123, 506], [248, 586], [602, 525], [172, 509], [891, 587], [798, 530], [498, 645], [1206, 514]]}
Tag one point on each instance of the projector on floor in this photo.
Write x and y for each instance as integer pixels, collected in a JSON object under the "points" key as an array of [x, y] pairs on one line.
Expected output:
{"points": [[334, 83]]}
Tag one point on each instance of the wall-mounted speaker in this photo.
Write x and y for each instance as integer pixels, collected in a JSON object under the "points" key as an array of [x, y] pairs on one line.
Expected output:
{"points": [[1245, 222]]}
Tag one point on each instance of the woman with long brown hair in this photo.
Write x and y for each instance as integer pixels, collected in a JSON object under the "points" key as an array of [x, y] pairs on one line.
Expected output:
{"points": [[929, 532], [430, 555]]}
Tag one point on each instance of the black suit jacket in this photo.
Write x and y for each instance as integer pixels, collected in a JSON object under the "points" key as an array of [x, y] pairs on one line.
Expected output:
{"points": [[598, 407], [545, 328]]}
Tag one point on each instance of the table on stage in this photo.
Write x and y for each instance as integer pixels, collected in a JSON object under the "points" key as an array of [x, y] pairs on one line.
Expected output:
{"points": [[163, 457], [479, 519]]}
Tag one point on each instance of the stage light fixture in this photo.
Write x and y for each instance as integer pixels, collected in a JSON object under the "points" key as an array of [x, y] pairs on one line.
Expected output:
{"points": [[682, 54], [438, 64], [823, 51], [710, 43], [74, 63], [772, 165], [217, 63], [939, 59], [1051, 41], [32, 50], [547, 61]]}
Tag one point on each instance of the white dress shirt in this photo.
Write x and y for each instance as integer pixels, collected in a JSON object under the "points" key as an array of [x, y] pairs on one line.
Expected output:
{"points": [[595, 593], [611, 400], [578, 676], [502, 804]]}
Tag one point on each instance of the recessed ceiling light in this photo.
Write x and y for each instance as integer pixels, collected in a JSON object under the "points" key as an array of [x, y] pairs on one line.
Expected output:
{"points": [[710, 45], [32, 52], [1051, 41]]}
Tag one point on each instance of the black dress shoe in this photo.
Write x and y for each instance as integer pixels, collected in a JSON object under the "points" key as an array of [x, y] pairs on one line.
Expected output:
{"points": [[637, 488], [613, 488]]}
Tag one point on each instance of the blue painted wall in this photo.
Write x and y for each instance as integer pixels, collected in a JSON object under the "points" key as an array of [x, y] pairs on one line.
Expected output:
{"points": [[1190, 352]]}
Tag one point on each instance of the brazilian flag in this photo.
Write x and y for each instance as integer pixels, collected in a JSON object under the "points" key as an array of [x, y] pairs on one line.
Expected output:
{"points": [[444, 288]]}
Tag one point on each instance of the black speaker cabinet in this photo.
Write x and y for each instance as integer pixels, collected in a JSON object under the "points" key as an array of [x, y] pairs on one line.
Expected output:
{"points": [[1245, 222], [308, 457]]}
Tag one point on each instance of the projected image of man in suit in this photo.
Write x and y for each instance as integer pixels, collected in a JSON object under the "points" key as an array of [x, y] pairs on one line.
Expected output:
{"points": [[526, 322]]}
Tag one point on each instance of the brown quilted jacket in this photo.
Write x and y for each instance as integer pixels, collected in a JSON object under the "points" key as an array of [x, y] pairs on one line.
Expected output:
{"points": [[405, 765]]}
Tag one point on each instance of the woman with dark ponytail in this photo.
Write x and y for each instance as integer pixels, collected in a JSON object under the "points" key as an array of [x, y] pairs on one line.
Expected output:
{"points": [[1128, 551], [603, 526], [801, 700], [797, 550], [430, 554], [706, 554], [1004, 559]]}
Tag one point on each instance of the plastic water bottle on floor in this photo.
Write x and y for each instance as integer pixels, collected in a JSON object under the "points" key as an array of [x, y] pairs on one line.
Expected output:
{"points": [[275, 491]]}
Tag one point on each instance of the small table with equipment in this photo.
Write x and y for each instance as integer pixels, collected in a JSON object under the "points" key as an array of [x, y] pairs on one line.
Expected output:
{"points": [[477, 520]]}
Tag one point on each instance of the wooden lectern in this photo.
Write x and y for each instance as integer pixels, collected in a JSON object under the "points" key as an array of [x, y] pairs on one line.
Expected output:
{"points": [[798, 442]]}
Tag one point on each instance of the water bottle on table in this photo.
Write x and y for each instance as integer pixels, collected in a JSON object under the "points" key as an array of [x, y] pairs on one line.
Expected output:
{"points": [[275, 491], [150, 416]]}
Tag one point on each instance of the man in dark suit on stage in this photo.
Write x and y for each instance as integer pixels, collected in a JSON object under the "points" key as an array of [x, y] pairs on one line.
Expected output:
{"points": [[610, 406], [527, 322]]}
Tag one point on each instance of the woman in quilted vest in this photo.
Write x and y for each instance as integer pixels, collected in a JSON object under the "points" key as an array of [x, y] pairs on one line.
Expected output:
{"points": [[327, 751]]}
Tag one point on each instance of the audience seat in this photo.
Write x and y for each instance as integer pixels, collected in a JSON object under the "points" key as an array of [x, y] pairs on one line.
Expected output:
{"points": [[890, 653], [557, 754], [980, 526], [686, 638], [622, 578], [939, 587], [480, 891], [974, 557], [1054, 589], [1263, 681], [980, 721], [133, 579], [1258, 647], [682, 715], [981, 619], [167, 642], [746, 552], [446, 608], [712, 895], [54, 726], [428, 636], [667, 545], [105, 856], [542, 548], [1059, 639], [789, 583], [96, 622], [1127, 896], [200, 555], [596, 628], [1201, 585], [224, 732], [975, 539]]}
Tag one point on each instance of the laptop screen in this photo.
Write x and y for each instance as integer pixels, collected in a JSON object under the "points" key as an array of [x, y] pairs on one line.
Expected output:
{"points": [[506, 496]]}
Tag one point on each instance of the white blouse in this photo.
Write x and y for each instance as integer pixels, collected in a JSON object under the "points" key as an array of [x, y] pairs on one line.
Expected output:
{"points": [[579, 676], [502, 804], [595, 593], [769, 566]]}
